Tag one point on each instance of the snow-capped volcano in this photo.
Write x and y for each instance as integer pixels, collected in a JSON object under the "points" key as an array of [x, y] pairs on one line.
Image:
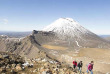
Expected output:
{"points": [[71, 31], [67, 26]]}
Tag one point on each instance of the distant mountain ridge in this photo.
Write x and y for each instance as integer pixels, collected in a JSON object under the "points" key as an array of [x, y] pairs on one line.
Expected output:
{"points": [[103, 36], [15, 34], [107, 38]]}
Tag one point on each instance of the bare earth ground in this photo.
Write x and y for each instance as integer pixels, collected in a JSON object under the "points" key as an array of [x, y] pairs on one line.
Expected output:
{"points": [[101, 58], [54, 47]]}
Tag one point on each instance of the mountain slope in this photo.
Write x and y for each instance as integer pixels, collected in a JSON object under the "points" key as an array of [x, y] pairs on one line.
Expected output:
{"points": [[71, 31], [62, 36], [107, 38], [64, 40]]}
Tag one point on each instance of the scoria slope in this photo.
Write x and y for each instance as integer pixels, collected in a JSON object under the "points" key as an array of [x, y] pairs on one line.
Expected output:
{"points": [[67, 29]]}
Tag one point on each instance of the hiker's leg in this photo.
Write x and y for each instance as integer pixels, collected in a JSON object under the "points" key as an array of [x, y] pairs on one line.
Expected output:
{"points": [[80, 70], [76, 68], [91, 72], [87, 71], [73, 66]]}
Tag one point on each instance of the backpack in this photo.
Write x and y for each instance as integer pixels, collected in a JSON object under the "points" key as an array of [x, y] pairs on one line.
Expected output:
{"points": [[79, 64], [90, 67]]}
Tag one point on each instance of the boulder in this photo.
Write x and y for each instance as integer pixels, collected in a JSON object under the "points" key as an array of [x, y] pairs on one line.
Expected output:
{"points": [[18, 67]]}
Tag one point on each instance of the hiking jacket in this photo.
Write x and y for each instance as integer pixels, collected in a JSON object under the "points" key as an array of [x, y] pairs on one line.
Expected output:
{"points": [[90, 67], [75, 63], [80, 64]]}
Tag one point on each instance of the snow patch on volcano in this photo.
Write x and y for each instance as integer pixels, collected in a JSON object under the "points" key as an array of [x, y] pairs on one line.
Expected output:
{"points": [[67, 27]]}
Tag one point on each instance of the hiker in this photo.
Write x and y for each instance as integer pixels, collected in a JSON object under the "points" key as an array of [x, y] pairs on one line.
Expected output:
{"points": [[80, 64], [74, 64], [90, 67]]}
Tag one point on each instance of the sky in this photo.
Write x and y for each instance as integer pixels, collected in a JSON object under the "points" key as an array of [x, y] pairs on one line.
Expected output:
{"points": [[28, 15]]}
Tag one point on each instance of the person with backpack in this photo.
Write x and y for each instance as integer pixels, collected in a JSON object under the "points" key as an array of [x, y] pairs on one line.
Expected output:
{"points": [[74, 64], [80, 64], [90, 67]]}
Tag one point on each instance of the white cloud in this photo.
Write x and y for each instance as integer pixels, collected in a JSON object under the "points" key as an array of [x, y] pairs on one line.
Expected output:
{"points": [[5, 21]]}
